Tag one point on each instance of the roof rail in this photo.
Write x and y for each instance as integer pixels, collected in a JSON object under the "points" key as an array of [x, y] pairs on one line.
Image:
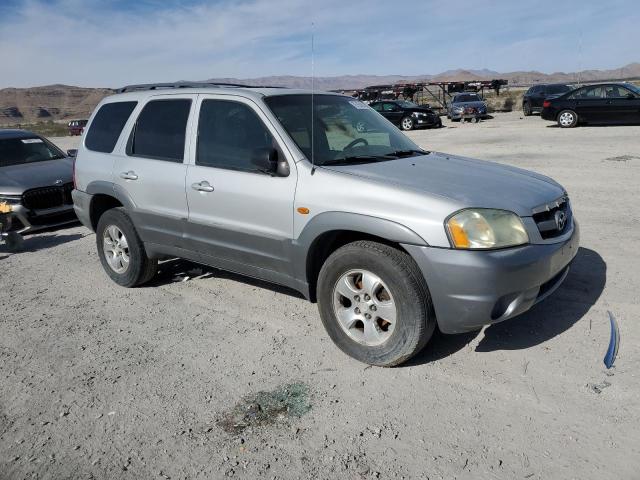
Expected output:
{"points": [[158, 86]]}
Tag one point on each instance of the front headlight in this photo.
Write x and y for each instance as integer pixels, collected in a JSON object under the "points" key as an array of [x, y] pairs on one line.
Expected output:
{"points": [[419, 114], [458, 109], [484, 228]]}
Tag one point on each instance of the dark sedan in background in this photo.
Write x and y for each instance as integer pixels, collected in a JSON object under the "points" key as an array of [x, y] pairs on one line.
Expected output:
{"points": [[534, 97], [36, 179], [406, 115], [610, 103]]}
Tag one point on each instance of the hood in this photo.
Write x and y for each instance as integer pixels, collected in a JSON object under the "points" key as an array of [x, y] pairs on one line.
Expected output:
{"points": [[468, 182], [476, 104], [420, 110], [15, 179]]}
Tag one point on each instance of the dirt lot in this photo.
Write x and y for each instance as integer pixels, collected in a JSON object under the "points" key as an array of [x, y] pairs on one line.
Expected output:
{"points": [[101, 382]]}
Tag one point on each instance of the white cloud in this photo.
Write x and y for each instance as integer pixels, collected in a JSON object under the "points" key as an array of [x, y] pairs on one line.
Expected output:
{"points": [[108, 44]]}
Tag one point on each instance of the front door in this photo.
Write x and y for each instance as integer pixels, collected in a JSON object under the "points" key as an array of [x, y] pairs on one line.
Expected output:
{"points": [[623, 105], [238, 214], [151, 172], [392, 112]]}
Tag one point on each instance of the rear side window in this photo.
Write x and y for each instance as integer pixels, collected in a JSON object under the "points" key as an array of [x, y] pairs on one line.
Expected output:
{"points": [[160, 130], [107, 125], [229, 134]]}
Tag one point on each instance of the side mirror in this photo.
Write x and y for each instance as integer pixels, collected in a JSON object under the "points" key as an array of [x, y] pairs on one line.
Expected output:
{"points": [[268, 161], [72, 152], [630, 96]]}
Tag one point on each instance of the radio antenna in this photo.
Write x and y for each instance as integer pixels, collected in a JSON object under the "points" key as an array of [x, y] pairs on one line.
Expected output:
{"points": [[313, 153]]}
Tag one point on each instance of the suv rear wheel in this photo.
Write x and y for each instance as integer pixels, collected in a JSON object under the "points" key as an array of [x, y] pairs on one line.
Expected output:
{"points": [[526, 109], [374, 303], [121, 251]]}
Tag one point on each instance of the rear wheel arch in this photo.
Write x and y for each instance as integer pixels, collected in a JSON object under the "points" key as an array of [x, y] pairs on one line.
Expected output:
{"points": [[101, 203]]}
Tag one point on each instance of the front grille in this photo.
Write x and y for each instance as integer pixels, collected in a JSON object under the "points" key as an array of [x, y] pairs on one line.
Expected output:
{"points": [[48, 197], [554, 218]]}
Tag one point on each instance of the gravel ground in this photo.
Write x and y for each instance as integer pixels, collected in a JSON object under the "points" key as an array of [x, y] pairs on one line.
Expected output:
{"points": [[101, 382]]}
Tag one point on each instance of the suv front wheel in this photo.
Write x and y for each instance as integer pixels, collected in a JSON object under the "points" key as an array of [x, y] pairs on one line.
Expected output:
{"points": [[374, 303], [121, 251]]}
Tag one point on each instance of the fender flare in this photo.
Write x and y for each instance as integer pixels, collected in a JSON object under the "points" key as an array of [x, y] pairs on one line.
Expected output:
{"points": [[100, 187], [333, 221]]}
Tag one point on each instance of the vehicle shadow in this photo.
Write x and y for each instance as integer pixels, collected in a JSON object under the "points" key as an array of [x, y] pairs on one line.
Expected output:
{"points": [[39, 242], [564, 308], [579, 292], [178, 270]]}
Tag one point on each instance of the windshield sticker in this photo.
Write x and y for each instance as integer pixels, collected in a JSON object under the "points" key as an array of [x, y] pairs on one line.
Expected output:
{"points": [[31, 140], [358, 104]]}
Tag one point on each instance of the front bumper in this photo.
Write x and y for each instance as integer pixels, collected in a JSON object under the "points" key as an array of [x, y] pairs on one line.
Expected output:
{"points": [[34, 220], [82, 205], [470, 289], [430, 121]]}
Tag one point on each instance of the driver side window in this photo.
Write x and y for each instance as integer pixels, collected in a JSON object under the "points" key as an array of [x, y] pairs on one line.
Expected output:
{"points": [[228, 135], [390, 107]]}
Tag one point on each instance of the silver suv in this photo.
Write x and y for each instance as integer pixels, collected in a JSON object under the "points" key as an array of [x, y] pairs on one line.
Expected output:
{"points": [[278, 184]]}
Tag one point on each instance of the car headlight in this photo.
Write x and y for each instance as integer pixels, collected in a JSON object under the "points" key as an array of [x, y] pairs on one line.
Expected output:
{"points": [[11, 199], [419, 114], [458, 109], [485, 228]]}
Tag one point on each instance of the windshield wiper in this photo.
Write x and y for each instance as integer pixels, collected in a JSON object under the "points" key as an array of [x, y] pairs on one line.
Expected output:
{"points": [[408, 153], [359, 158]]}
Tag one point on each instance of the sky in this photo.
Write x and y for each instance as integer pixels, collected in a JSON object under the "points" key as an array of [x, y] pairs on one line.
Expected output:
{"points": [[111, 43]]}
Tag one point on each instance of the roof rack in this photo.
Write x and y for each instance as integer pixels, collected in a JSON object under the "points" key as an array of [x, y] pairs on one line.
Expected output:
{"points": [[158, 86]]}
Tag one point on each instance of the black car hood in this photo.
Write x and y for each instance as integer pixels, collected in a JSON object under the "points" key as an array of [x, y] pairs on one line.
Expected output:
{"points": [[15, 179]]}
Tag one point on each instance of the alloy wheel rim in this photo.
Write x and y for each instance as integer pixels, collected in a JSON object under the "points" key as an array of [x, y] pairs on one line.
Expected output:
{"points": [[364, 307], [566, 119], [116, 249], [406, 124]]}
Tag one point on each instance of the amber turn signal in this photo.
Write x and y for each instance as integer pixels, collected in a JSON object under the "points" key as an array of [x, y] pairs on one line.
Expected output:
{"points": [[303, 210]]}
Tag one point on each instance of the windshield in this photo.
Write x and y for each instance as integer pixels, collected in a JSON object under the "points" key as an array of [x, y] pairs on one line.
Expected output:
{"points": [[633, 87], [552, 89], [17, 151], [344, 130], [468, 97]]}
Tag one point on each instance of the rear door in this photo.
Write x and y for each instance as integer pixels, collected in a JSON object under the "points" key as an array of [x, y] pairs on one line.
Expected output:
{"points": [[591, 104], [239, 215], [537, 96], [152, 171]]}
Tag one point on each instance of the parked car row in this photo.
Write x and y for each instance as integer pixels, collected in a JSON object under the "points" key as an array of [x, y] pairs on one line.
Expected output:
{"points": [[607, 103]]}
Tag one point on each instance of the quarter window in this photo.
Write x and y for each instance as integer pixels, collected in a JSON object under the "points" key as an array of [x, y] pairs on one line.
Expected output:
{"points": [[229, 135], [160, 130], [107, 126]]}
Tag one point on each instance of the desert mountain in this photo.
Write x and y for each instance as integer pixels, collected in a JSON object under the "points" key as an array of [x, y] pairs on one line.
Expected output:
{"points": [[63, 102]]}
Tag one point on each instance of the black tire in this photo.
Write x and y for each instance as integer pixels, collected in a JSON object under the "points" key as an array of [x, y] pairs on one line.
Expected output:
{"points": [[526, 109], [407, 124], [141, 268], [415, 317], [562, 123]]}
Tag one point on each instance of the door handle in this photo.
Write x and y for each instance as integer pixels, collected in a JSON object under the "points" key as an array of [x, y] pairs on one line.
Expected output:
{"points": [[203, 186], [130, 175]]}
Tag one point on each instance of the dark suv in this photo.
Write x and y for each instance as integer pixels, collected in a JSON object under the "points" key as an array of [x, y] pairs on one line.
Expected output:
{"points": [[406, 115], [536, 95]]}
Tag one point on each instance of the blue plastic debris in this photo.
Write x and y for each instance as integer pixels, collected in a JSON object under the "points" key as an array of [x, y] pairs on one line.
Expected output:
{"points": [[614, 341]]}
